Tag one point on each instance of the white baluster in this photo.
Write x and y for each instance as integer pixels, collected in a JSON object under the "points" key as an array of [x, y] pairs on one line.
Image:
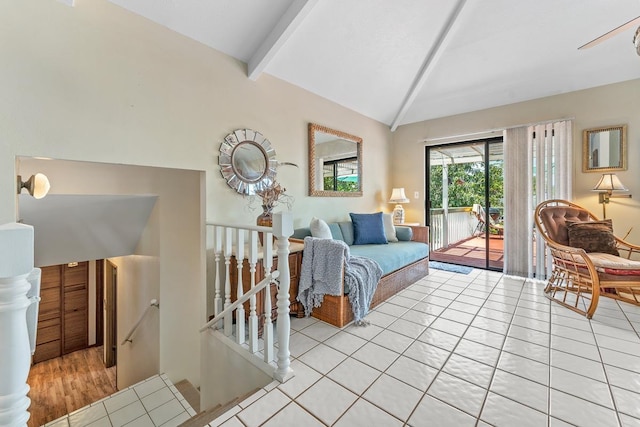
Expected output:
{"points": [[240, 334], [267, 327], [228, 249], [283, 228], [217, 300], [16, 262], [253, 318]]}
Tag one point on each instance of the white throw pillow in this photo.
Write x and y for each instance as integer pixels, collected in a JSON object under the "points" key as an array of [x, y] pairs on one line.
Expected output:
{"points": [[320, 229], [389, 228]]}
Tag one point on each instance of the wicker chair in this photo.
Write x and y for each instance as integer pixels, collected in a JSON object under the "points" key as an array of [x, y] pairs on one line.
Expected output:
{"points": [[579, 278]]}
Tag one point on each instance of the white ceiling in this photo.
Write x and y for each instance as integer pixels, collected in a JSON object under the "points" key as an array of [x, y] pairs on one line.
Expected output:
{"points": [[395, 61]]}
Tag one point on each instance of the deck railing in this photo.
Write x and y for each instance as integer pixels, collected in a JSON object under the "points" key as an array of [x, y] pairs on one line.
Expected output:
{"points": [[458, 224]]}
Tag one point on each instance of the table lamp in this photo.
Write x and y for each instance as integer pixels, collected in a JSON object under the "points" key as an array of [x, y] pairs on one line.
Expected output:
{"points": [[398, 197]]}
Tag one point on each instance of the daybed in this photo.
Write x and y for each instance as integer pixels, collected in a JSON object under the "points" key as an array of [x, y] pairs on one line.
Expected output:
{"points": [[402, 262], [588, 260]]}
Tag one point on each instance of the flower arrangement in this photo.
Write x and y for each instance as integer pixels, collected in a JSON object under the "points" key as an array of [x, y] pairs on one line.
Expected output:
{"points": [[273, 195]]}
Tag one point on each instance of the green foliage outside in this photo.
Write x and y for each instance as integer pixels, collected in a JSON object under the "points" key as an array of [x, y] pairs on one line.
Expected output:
{"points": [[339, 185], [466, 185]]}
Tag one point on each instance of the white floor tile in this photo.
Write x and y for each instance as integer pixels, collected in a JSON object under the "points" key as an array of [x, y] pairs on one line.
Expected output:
{"points": [[621, 360], [264, 408], [354, 375], [166, 412], [322, 358], [478, 352], [469, 370], [364, 332], [530, 335], [418, 317], [449, 326], [393, 396], [577, 348], [143, 421], [582, 387], [521, 390], [87, 415], [394, 310], [393, 341], [364, 414], [485, 337], [580, 412], [327, 400], [492, 325], [439, 338], [524, 367], [407, 328], [379, 318], [527, 349], [320, 331], [120, 400], [427, 354], [149, 386], [578, 365], [500, 411], [300, 344], [458, 393], [127, 414], [433, 412], [304, 378], [627, 401], [375, 356], [345, 342], [412, 372], [293, 416], [157, 398], [301, 323], [623, 378]]}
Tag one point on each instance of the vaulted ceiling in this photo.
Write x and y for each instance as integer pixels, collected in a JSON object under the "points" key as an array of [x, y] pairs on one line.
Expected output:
{"points": [[403, 61]]}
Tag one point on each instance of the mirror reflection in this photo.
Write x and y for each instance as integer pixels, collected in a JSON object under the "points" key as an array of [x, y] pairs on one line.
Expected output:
{"points": [[335, 163], [247, 161], [604, 149]]}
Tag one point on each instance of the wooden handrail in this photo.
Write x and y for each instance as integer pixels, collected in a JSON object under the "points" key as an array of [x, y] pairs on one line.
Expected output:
{"points": [[260, 286]]}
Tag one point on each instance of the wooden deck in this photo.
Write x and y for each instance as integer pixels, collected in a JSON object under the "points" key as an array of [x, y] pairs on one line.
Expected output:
{"points": [[472, 252]]}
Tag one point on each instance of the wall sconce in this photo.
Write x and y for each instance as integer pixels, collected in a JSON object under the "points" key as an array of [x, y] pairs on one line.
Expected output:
{"points": [[398, 196], [37, 185], [606, 186]]}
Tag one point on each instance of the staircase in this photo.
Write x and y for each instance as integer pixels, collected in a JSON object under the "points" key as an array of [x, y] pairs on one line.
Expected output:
{"points": [[205, 417]]}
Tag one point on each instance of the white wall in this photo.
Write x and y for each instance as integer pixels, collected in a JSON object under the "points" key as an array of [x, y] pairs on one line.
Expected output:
{"points": [[606, 105], [97, 83]]}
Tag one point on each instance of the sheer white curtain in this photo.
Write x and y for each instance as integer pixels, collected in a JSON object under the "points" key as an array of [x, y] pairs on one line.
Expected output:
{"points": [[538, 166]]}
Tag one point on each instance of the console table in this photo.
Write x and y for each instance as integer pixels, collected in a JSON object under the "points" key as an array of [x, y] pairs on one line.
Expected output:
{"points": [[295, 263]]}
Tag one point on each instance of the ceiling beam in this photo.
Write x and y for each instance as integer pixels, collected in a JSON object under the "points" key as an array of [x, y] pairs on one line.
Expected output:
{"points": [[429, 63], [285, 27]]}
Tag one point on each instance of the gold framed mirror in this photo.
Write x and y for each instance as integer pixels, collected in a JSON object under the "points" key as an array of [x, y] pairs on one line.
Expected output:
{"points": [[604, 149], [335, 163], [247, 161]]}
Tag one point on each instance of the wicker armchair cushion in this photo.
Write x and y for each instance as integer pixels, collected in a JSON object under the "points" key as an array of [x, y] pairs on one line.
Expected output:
{"points": [[611, 265], [592, 236], [554, 218]]}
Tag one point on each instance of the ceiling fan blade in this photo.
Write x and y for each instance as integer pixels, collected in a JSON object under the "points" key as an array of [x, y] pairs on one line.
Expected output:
{"points": [[633, 22]]}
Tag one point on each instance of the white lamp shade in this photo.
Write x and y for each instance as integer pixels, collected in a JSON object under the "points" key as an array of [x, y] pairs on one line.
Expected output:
{"points": [[398, 196], [610, 182]]}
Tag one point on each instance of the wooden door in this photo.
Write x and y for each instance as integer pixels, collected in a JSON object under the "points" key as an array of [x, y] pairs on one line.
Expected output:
{"points": [[76, 306], [110, 307], [63, 316], [49, 336]]}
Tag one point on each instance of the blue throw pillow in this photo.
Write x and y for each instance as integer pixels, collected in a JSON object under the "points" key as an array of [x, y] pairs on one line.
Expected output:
{"points": [[368, 229]]}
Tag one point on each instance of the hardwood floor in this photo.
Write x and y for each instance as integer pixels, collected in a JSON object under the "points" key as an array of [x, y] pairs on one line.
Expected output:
{"points": [[64, 384]]}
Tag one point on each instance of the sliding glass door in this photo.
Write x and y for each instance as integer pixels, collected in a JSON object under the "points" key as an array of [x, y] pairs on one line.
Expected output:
{"points": [[465, 202]]}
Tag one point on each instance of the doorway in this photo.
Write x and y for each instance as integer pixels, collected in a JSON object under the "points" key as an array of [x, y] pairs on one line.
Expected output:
{"points": [[465, 203], [110, 314]]}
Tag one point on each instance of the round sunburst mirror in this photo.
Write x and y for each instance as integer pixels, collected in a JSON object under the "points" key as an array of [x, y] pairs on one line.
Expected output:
{"points": [[247, 161]]}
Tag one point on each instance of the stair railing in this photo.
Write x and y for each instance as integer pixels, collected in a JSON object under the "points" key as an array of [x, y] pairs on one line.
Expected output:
{"points": [[241, 242], [153, 303]]}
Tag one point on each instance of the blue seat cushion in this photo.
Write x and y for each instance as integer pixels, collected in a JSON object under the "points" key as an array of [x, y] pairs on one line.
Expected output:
{"points": [[392, 256]]}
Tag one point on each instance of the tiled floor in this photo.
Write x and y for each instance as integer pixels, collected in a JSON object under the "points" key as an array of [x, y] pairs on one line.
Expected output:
{"points": [[460, 350], [151, 403]]}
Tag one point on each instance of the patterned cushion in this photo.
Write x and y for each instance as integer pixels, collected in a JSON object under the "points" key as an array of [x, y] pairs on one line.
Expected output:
{"points": [[592, 236]]}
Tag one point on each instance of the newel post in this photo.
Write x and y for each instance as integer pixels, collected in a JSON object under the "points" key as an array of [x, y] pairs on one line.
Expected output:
{"points": [[283, 229], [16, 264]]}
